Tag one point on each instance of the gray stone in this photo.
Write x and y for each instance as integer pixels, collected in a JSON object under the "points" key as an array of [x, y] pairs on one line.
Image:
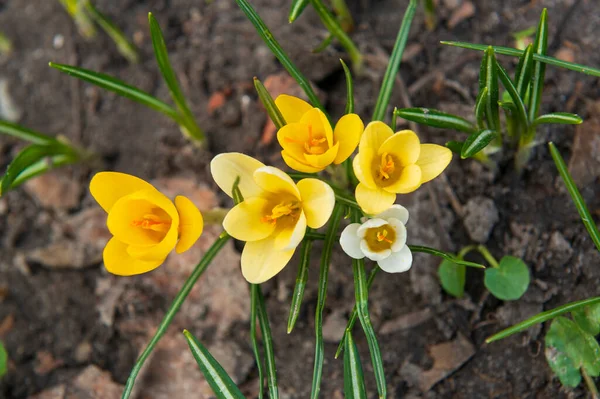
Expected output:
{"points": [[480, 217]]}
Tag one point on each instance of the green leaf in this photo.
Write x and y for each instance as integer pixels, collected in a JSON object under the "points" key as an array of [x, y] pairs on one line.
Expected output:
{"points": [[563, 367], [354, 381], [537, 57], [162, 58], [349, 89], [491, 82], [477, 142], [540, 47], [276, 49], [121, 88], [265, 329], [480, 104], [563, 118], [455, 146], [524, 71], [218, 379], [269, 104], [588, 318], [521, 112], [324, 44], [394, 64], [20, 132], [236, 193], [40, 167], [254, 339], [300, 286], [582, 208], [297, 7], [3, 360], [509, 280], [444, 255], [435, 118], [452, 277]]}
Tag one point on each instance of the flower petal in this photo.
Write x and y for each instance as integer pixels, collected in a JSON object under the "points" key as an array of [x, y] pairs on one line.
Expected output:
{"points": [[363, 167], [244, 221], [321, 161], [347, 132], [318, 200], [369, 224], [108, 187], [297, 165], [433, 159], [408, 181], [292, 108], [226, 168], [400, 230], [396, 211], [318, 122], [375, 134], [191, 223], [292, 137], [158, 251], [350, 241], [260, 261], [397, 262], [117, 260], [276, 181], [405, 145], [289, 237], [374, 256], [373, 201]]}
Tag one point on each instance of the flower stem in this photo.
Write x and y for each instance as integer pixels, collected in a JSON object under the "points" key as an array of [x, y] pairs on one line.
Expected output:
{"points": [[589, 383], [265, 329], [253, 314], [487, 255]]}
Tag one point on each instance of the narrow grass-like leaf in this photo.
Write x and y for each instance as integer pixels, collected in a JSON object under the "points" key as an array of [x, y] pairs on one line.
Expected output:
{"points": [[276, 49], [218, 379], [515, 97], [342, 12], [333, 26], [361, 291], [563, 118], [125, 47], [297, 7], [3, 360], [23, 133], [455, 146], [301, 280], [539, 68], [84, 24], [354, 314], [324, 44], [480, 104], [444, 255], [269, 104], [330, 238], [6, 46], [190, 126], [435, 118], [173, 309], [119, 87], [477, 142], [582, 208], [524, 71], [542, 317], [40, 167], [349, 89], [392, 69], [265, 329], [354, 380], [430, 14], [236, 193], [254, 338], [492, 111]]}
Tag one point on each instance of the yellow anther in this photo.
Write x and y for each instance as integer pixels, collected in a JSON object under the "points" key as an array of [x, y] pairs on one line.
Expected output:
{"points": [[387, 166], [382, 236]]}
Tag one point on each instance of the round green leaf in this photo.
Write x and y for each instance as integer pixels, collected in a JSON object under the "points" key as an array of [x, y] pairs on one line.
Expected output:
{"points": [[563, 367], [588, 318], [452, 277], [509, 280], [3, 360]]}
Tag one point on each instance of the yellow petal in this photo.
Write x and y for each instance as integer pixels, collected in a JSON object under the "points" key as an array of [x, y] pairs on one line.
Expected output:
{"points": [[374, 136], [244, 221], [404, 145], [117, 260], [191, 223], [373, 201], [134, 207], [347, 132], [260, 261], [291, 138], [289, 237], [292, 108], [318, 200], [408, 181], [433, 160], [297, 165], [158, 251], [108, 187], [316, 119], [225, 168], [274, 180], [363, 167], [322, 161]]}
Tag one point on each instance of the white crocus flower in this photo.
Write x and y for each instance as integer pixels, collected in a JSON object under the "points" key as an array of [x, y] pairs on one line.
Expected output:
{"points": [[381, 239]]}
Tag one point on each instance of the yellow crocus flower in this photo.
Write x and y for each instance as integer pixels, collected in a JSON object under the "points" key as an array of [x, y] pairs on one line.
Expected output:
{"points": [[145, 224], [388, 164], [309, 144], [273, 217]]}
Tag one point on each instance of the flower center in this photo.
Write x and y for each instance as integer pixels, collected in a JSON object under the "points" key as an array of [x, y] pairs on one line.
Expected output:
{"points": [[380, 238], [386, 167], [282, 210], [313, 145], [152, 222]]}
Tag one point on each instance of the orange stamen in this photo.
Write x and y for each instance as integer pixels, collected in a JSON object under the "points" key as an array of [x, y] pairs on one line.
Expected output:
{"points": [[387, 166], [382, 236]]}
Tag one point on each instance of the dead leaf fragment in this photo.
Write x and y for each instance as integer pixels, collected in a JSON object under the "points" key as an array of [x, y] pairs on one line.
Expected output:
{"points": [[465, 11], [447, 358], [55, 190]]}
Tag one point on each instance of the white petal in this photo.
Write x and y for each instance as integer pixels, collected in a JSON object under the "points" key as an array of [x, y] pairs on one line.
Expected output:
{"points": [[396, 211], [397, 262], [400, 230], [375, 256], [369, 224], [350, 241]]}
